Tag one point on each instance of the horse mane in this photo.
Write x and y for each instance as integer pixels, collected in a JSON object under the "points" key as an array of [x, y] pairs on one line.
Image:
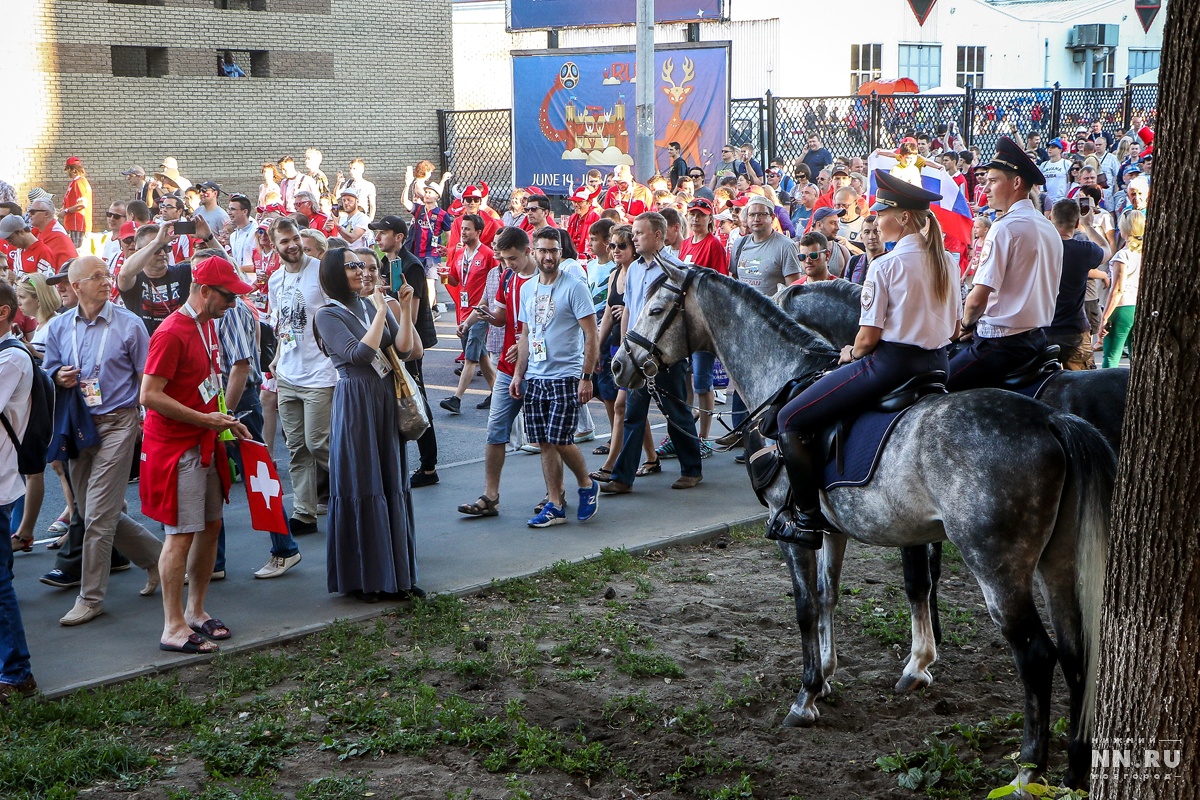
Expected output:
{"points": [[843, 291], [778, 323]]}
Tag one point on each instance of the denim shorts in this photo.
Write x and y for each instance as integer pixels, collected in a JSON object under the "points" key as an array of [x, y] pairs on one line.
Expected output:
{"points": [[605, 386], [476, 340], [503, 411], [702, 371]]}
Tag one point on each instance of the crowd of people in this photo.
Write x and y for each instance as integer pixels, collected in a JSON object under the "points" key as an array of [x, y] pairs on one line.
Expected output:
{"points": [[195, 320]]}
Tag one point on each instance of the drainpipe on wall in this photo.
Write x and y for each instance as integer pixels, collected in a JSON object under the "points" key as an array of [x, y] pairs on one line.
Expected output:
{"points": [[1046, 68]]}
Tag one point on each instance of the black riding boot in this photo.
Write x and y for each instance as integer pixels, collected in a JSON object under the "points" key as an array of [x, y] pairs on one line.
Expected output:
{"points": [[805, 525]]}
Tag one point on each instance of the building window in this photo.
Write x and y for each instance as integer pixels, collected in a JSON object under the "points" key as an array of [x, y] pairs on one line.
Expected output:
{"points": [[139, 62], [1104, 68], [138, 2], [253, 63], [1142, 61], [922, 63], [240, 5], [865, 64], [970, 67]]}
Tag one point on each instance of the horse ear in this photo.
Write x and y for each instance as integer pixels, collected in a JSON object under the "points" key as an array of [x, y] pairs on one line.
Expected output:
{"points": [[675, 273]]}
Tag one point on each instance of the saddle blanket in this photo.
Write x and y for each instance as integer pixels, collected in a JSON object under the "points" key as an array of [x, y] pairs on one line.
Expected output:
{"points": [[861, 445]]}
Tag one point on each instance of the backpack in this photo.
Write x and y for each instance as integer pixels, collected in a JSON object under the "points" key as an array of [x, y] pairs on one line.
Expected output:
{"points": [[32, 450]]}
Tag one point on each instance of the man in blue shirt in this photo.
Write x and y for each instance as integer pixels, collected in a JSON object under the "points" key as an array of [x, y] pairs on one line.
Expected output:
{"points": [[817, 157], [100, 350]]}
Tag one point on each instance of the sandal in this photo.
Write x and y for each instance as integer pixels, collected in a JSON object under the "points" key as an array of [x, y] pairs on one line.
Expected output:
{"points": [[57, 543], [649, 468], [20, 545], [60, 526], [603, 475], [600, 450], [483, 507]]}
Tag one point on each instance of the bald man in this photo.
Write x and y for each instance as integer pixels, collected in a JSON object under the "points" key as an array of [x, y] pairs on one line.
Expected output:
{"points": [[101, 349]]}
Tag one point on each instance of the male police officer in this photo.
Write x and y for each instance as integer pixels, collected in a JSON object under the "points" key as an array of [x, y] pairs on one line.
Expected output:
{"points": [[1017, 281]]}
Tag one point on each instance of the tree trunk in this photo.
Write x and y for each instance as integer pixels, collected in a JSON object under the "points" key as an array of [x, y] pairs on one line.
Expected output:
{"points": [[1149, 670]]}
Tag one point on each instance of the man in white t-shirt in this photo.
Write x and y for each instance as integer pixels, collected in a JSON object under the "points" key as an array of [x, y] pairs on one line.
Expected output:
{"points": [[352, 222], [241, 238], [1055, 171], [305, 376]]}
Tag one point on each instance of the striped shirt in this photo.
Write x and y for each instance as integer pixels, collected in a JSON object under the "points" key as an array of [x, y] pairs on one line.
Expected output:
{"points": [[427, 227], [239, 341]]}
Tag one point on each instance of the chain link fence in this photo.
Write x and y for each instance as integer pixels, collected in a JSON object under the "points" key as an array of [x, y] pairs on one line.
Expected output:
{"points": [[1143, 101], [747, 121], [907, 114], [842, 123], [1002, 112], [1081, 107], [477, 146]]}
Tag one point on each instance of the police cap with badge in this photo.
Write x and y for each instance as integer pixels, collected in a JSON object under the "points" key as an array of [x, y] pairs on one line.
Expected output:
{"points": [[1011, 158], [893, 192]]}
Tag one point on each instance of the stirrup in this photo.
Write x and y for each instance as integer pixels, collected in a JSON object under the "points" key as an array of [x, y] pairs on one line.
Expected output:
{"points": [[799, 529]]}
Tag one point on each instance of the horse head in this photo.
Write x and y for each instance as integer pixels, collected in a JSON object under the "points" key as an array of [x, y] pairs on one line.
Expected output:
{"points": [[669, 329]]}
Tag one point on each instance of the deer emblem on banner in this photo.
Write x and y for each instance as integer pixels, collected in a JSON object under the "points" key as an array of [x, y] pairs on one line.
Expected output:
{"points": [[684, 131]]}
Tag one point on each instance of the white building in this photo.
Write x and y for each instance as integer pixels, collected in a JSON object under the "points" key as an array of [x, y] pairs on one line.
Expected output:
{"points": [[806, 48]]}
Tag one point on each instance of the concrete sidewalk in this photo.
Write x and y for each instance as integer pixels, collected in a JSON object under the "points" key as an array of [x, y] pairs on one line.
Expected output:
{"points": [[455, 554]]}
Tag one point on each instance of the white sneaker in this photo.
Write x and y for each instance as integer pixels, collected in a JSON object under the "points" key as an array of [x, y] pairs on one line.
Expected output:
{"points": [[530, 448], [719, 397], [277, 566], [584, 436]]}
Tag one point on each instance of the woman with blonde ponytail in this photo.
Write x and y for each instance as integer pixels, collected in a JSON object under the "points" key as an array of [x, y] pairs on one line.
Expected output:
{"points": [[910, 312], [1126, 270]]}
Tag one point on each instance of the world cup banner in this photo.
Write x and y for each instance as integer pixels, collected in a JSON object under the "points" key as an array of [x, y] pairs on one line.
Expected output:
{"points": [[575, 110], [542, 14]]}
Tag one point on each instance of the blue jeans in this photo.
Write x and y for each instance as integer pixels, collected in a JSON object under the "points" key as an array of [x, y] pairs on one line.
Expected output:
{"points": [[14, 652], [682, 428]]}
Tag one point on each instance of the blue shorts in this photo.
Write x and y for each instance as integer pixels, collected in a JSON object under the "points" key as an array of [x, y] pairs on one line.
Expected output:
{"points": [[475, 342], [503, 411], [702, 371], [605, 386]]}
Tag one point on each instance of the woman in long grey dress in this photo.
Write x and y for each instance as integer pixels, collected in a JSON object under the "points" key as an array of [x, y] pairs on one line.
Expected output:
{"points": [[371, 543]]}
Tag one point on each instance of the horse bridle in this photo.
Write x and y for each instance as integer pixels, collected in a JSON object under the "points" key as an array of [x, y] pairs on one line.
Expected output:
{"points": [[651, 366]]}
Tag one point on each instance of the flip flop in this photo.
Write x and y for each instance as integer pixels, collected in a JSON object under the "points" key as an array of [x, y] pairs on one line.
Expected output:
{"points": [[600, 450], [211, 625], [649, 468], [603, 475], [194, 645]]}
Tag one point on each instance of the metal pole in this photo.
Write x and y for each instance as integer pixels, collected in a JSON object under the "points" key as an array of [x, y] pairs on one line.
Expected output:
{"points": [[644, 154]]}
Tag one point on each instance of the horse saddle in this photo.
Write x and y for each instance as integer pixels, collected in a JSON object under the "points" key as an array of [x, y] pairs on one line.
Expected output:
{"points": [[851, 446], [1034, 371]]}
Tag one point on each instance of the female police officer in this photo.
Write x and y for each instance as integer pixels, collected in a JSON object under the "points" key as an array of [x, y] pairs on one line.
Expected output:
{"points": [[910, 311]]}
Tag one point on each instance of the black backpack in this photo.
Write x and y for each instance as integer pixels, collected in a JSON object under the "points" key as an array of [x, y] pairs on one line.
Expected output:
{"points": [[32, 450]]}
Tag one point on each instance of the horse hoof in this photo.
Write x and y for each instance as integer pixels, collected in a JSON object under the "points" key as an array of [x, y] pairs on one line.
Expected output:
{"points": [[912, 683], [826, 690], [805, 718]]}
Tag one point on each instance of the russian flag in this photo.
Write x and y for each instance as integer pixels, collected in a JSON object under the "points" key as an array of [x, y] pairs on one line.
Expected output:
{"points": [[953, 213]]}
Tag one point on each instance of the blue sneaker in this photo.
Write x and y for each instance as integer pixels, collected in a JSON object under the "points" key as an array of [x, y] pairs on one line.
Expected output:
{"points": [[549, 515], [587, 501]]}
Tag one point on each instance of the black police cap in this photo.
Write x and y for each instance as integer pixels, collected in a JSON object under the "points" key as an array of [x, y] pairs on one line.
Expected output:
{"points": [[1011, 158]]}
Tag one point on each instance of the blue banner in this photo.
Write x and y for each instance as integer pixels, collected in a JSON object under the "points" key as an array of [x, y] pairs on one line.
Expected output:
{"points": [[573, 111], [539, 14]]}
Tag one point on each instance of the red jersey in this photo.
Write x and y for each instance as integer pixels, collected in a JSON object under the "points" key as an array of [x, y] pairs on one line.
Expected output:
{"points": [[708, 252], [61, 247], [469, 278], [79, 191], [509, 294], [36, 258], [491, 226], [182, 249], [627, 203], [319, 222], [577, 228]]}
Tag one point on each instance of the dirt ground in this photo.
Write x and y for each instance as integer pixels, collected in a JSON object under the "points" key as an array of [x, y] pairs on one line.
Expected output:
{"points": [[656, 677]]}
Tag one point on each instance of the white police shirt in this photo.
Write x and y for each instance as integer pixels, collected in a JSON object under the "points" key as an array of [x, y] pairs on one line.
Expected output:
{"points": [[1021, 262], [898, 296]]}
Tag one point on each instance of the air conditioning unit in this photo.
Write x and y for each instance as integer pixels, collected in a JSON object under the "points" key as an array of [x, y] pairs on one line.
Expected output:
{"points": [[1084, 36]]}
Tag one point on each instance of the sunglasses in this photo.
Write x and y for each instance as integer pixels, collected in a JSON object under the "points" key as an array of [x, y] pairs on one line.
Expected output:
{"points": [[228, 297], [812, 256], [111, 215], [355, 265], [619, 246]]}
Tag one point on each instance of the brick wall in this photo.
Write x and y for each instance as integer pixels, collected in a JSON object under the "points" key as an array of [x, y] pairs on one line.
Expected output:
{"points": [[360, 100]]}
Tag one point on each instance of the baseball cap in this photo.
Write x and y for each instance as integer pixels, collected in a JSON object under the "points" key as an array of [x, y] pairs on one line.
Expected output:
{"points": [[701, 205], [759, 200], [724, 216], [1082, 129], [391, 223], [216, 187], [580, 195], [13, 223], [1059, 143], [839, 170], [74, 161], [135, 170], [908, 140], [218, 272], [169, 163], [62, 273], [472, 193], [127, 230], [1131, 169], [350, 190], [826, 212]]}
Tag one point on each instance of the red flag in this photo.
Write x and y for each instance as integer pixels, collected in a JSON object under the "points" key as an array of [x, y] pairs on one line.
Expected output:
{"points": [[264, 492]]}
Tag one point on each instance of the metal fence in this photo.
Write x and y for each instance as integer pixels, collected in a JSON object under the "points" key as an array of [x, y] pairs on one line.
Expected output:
{"points": [[477, 145]]}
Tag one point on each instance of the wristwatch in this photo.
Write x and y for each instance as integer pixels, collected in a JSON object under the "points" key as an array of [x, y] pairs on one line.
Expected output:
{"points": [[588, 376]]}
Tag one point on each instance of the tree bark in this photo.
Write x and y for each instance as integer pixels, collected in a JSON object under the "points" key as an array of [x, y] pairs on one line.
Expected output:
{"points": [[1149, 668]]}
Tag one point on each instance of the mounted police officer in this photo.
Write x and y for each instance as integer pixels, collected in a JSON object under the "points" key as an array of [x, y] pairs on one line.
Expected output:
{"points": [[896, 342], [1016, 284]]}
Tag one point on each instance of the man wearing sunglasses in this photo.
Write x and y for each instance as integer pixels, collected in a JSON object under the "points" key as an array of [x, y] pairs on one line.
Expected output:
{"points": [[814, 257], [214, 215], [107, 243]]}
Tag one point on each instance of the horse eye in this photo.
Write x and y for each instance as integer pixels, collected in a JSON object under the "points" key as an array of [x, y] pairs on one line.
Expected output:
{"points": [[654, 312]]}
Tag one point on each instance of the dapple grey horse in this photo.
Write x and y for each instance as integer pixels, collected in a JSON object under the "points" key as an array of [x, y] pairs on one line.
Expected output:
{"points": [[1022, 490]]}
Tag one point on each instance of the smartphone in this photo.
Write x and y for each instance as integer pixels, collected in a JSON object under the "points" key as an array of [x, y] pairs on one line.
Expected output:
{"points": [[1085, 205], [185, 227]]}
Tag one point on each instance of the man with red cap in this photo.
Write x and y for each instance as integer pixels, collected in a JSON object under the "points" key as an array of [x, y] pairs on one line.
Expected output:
{"points": [[77, 203], [579, 223], [472, 203], [184, 482]]}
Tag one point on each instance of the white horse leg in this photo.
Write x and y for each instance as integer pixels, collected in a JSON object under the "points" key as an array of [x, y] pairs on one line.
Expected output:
{"points": [[803, 565], [918, 586], [829, 587]]}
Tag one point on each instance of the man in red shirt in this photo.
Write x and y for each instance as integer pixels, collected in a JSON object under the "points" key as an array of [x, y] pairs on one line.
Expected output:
{"points": [[77, 203], [28, 254], [472, 203], [581, 221], [43, 219], [466, 283], [184, 484], [512, 250], [306, 204], [627, 195]]}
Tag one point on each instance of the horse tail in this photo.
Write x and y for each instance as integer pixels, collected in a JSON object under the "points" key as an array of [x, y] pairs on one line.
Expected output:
{"points": [[1091, 475]]}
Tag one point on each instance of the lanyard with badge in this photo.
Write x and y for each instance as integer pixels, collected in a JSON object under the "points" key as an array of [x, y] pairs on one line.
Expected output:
{"points": [[90, 386], [284, 330], [463, 302], [378, 363], [543, 311], [210, 387]]}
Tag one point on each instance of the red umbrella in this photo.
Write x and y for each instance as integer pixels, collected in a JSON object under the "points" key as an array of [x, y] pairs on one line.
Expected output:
{"points": [[893, 86]]}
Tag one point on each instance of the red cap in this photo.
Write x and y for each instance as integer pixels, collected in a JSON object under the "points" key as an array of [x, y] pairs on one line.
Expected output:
{"points": [[472, 193], [483, 189], [581, 195], [217, 271], [702, 205], [127, 230], [73, 161], [534, 190], [740, 201], [1146, 135], [908, 140]]}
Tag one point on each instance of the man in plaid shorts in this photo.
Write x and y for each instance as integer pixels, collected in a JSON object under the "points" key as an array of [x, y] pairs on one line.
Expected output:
{"points": [[557, 353]]}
